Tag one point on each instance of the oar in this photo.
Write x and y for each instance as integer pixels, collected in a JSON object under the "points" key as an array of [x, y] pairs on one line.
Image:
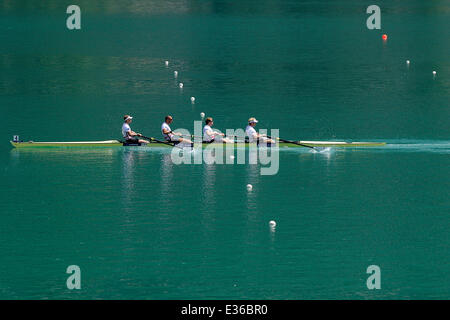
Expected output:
{"points": [[190, 136], [295, 142], [159, 141]]}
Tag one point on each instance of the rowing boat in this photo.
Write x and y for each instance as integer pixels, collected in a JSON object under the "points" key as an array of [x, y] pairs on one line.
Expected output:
{"points": [[116, 143]]}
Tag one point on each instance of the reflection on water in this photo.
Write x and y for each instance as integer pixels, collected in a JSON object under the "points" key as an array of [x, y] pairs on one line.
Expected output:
{"points": [[154, 224], [128, 176], [253, 175], [209, 185], [166, 177], [211, 195], [65, 153]]}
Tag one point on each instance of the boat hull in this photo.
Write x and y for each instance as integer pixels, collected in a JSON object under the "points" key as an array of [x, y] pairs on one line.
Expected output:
{"points": [[116, 143]]}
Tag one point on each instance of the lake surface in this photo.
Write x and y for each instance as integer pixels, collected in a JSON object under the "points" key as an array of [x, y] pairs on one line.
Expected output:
{"points": [[141, 227]]}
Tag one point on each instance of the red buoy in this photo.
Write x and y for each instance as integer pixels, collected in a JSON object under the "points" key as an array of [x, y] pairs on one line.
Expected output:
{"points": [[384, 37]]}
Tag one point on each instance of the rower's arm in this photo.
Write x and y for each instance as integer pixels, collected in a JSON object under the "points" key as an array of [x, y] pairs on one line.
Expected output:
{"points": [[165, 131], [132, 133], [218, 133]]}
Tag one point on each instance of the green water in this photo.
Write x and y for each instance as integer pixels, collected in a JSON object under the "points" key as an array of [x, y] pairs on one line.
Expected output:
{"points": [[141, 227]]}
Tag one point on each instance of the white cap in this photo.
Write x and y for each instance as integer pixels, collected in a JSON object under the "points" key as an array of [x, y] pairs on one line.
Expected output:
{"points": [[252, 120], [128, 118]]}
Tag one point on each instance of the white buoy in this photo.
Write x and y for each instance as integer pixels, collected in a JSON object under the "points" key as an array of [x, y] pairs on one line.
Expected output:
{"points": [[407, 62], [175, 73], [272, 224], [181, 85], [249, 187], [192, 99], [167, 63], [202, 115], [434, 73]]}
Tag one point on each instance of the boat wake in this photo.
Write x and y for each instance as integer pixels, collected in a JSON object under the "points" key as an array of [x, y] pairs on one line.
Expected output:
{"points": [[434, 146], [403, 145], [321, 150]]}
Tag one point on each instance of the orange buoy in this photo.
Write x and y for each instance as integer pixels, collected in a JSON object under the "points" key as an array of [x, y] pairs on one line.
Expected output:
{"points": [[384, 37]]}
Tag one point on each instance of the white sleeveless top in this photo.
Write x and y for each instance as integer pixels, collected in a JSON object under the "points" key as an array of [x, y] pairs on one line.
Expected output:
{"points": [[125, 130], [208, 137], [251, 133], [169, 136]]}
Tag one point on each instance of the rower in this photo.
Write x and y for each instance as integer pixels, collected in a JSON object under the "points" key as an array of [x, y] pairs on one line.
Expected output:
{"points": [[171, 136], [209, 135], [254, 136], [129, 135]]}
